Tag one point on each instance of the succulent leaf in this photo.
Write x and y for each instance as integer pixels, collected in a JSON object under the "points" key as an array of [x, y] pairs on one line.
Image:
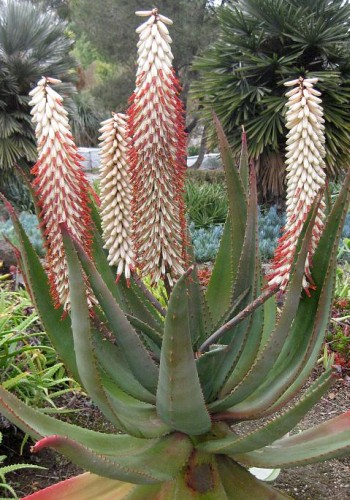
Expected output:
{"points": [[240, 484], [114, 364], [138, 358], [220, 288], [154, 461], [324, 441], [276, 428], [244, 338], [143, 455], [138, 418], [180, 401], [271, 350], [83, 346], [244, 163], [129, 297]]}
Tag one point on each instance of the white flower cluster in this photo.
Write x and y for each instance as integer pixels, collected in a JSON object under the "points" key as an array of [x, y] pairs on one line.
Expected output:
{"points": [[154, 52], [116, 194], [157, 155], [60, 184], [305, 174]]}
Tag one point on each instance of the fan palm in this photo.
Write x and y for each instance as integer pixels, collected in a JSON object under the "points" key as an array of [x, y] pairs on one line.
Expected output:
{"points": [[262, 44], [32, 43]]}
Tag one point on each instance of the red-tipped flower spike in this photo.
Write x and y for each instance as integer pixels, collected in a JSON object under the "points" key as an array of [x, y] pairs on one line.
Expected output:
{"points": [[116, 194], [305, 177], [60, 184], [157, 155]]}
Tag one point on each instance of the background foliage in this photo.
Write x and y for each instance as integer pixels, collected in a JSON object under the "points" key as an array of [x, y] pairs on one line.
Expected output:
{"points": [[32, 43], [260, 45]]}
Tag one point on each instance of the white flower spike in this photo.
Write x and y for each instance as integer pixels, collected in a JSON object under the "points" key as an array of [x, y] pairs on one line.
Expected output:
{"points": [[305, 176], [116, 194]]}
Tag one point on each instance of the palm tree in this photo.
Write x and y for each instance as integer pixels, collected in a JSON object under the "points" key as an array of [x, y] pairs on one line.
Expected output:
{"points": [[32, 44], [262, 44]]}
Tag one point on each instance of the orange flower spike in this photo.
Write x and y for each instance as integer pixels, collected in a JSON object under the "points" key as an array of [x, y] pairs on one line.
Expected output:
{"points": [[157, 155], [60, 184]]}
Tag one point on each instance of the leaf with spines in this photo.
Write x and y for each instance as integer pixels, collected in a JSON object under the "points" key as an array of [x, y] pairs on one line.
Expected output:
{"points": [[139, 360], [180, 401], [137, 460], [324, 441], [271, 350], [129, 298], [276, 428], [114, 364], [83, 346], [220, 287]]}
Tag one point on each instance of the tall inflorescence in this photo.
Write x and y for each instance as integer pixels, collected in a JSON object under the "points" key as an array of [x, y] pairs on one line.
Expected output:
{"points": [[116, 194], [60, 184], [157, 155], [305, 176]]}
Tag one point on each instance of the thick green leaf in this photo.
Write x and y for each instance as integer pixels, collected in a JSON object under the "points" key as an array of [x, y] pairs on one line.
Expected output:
{"points": [[129, 298], [155, 461], [140, 362], [275, 429], [180, 401], [267, 356], [220, 288], [241, 485], [83, 346], [197, 313], [113, 363], [244, 163], [201, 481], [153, 457], [328, 440], [243, 339], [323, 271], [138, 418]]}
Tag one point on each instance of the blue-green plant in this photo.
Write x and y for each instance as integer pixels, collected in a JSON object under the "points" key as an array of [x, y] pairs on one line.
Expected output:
{"points": [[206, 241]]}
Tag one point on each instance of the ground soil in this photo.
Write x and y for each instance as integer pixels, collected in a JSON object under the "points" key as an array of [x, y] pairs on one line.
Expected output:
{"points": [[313, 482]]}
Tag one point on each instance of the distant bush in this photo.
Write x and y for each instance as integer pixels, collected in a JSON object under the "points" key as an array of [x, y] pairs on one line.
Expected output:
{"points": [[209, 176], [206, 203]]}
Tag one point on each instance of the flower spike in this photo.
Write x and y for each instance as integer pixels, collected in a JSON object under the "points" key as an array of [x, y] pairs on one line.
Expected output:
{"points": [[116, 194], [60, 184], [157, 156], [305, 176]]}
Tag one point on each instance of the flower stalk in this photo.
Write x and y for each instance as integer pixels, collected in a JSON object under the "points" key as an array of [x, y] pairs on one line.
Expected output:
{"points": [[305, 177], [60, 184]]}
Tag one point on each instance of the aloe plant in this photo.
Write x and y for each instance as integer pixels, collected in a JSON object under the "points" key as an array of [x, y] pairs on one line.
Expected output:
{"points": [[177, 383]]}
